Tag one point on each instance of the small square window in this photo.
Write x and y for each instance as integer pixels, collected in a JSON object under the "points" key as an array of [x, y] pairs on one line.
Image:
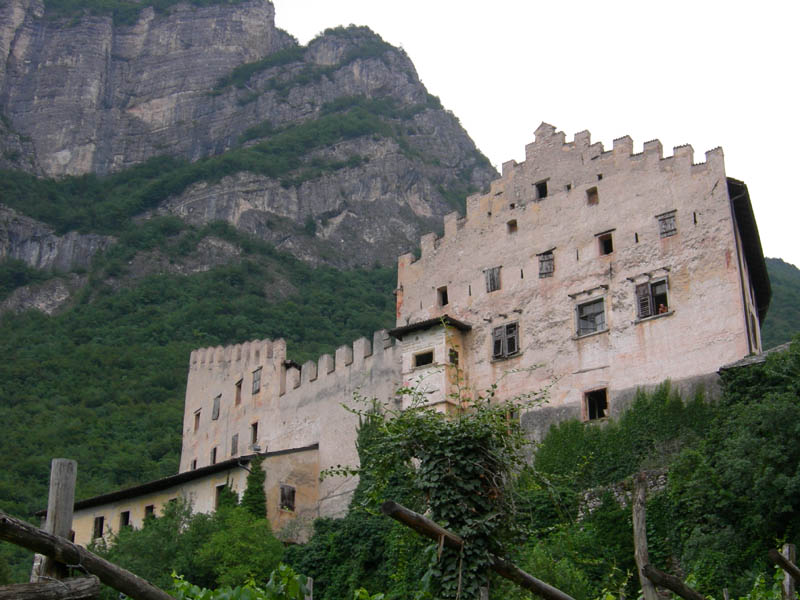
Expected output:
{"points": [[605, 243], [238, 393], [651, 299], [149, 511], [215, 407], [596, 404], [453, 356], [591, 317], [124, 519], [592, 196], [492, 279], [541, 189], [287, 497], [666, 225], [423, 358], [546, 264], [235, 444], [505, 340], [441, 295], [98, 527], [257, 380], [511, 226]]}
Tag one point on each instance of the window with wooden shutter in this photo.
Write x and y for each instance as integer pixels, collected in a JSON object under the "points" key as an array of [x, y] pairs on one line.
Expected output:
{"points": [[257, 380], [546, 264], [215, 408], [235, 444], [505, 340], [652, 299], [643, 300], [492, 279], [666, 225]]}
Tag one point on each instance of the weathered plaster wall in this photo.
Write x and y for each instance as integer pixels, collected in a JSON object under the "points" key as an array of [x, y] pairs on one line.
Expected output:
{"points": [[294, 407], [705, 325]]}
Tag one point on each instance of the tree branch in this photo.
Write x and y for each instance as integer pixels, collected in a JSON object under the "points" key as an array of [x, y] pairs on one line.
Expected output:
{"points": [[26, 535], [83, 588]]}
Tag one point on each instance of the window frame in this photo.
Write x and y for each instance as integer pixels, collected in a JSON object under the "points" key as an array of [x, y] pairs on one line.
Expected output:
{"points": [[587, 399], [545, 259], [256, 381], [98, 527], [579, 332], [289, 493], [424, 353], [492, 275], [647, 300], [501, 335], [667, 224], [602, 238], [215, 407]]}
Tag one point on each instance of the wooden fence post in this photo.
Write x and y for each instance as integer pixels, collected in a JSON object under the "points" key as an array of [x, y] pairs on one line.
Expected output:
{"points": [[787, 587], [640, 535], [60, 502]]}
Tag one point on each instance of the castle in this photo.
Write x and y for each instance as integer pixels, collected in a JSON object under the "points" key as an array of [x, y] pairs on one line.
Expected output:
{"points": [[591, 271]]}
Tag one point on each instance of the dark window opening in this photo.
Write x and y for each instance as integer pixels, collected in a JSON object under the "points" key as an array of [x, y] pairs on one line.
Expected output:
{"points": [[194, 464], [453, 356], [606, 243], [546, 265], [287, 497], [442, 295], [512, 206], [215, 408], [591, 317], [505, 340], [197, 420], [492, 279], [636, 238], [694, 217], [512, 226], [651, 299], [235, 444], [568, 187], [541, 189], [599, 177], [214, 455], [592, 196], [124, 519], [666, 225], [521, 274], [596, 404], [98, 527], [257, 380], [254, 434], [238, 395], [423, 358], [220, 490], [149, 511], [469, 290]]}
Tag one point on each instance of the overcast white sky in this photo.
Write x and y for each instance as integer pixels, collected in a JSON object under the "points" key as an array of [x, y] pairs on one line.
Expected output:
{"points": [[706, 73]]}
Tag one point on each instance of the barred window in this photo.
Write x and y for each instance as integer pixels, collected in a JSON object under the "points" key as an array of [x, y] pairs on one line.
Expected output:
{"points": [[651, 299], [666, 225], [546, 264], [591, 317], [505, 340]]}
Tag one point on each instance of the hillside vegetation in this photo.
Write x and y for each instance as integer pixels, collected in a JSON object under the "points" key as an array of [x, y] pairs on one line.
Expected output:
{"points": [[783, 318]]}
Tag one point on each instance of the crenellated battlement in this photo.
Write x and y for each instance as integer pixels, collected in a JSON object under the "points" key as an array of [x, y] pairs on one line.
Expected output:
{"points": [[564, 167], [237, 358]]}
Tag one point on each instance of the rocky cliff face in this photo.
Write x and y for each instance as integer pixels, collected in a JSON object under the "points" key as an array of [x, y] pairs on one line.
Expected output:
{"points": [[36, 244], [83, 94]]}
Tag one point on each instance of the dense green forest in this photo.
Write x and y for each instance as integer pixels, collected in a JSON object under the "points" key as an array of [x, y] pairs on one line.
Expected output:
{"points": [[783, 318]]}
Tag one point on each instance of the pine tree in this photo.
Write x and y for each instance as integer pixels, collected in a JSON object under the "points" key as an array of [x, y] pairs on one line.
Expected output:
{"points": [[254, 499]]}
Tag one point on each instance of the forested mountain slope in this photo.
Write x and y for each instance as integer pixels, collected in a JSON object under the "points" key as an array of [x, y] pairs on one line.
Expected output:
{"points": [[783, 319]]}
